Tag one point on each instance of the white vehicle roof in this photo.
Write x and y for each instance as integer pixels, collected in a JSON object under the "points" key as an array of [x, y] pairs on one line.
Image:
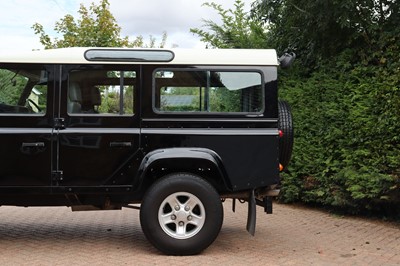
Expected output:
{"points": [[76, 55]]}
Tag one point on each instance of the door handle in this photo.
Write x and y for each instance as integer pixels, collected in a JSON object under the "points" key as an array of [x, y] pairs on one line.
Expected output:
{"points": [[32, 145], [122, 144]]}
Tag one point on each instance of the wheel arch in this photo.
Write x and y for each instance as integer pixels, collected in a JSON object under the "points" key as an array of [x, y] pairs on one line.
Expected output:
{"points": [[199, 161]]}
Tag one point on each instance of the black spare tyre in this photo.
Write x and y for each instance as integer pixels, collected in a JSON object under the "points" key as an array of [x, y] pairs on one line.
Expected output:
{"points": [[285, 124]]}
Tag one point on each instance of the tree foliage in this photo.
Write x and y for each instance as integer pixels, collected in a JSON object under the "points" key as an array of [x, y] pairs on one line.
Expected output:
{"points": [[319, 30], [345, 95], [238, 29], [11, 87], [96, 27]]}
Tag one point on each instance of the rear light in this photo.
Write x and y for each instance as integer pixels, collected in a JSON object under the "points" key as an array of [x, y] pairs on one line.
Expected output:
{"points": [[280, 133], [280, 167]]}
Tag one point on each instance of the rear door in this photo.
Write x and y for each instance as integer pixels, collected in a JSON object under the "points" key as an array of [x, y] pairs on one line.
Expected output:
{"points": [[98, 133]]}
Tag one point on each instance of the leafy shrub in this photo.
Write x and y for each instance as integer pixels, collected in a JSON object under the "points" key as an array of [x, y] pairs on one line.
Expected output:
{"points": [[347, 135]]}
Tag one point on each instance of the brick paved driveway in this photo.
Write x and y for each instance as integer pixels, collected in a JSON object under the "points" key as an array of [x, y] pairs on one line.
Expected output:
{"points": [[291, 236]]}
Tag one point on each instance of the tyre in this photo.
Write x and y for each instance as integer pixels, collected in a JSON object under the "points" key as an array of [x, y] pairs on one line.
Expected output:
{"points": [[285, 124], [181, 214]]}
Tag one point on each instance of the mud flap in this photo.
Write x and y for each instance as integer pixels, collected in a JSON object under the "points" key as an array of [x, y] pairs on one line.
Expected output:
{"points": [[251, 215]]}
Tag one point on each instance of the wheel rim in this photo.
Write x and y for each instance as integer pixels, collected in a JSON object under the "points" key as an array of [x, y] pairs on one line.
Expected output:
{"points": [[181, 215]]}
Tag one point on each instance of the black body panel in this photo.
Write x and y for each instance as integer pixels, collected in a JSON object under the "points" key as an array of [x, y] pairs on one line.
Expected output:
{"points": [[64, 158]]}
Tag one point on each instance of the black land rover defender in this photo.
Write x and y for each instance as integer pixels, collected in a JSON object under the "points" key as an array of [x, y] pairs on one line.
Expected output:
{"points": [[175, 132]]}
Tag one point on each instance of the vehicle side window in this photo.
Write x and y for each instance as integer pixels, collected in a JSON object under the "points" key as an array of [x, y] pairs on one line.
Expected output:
{"points": [[23, 90], [101, 92], [208, 91]]}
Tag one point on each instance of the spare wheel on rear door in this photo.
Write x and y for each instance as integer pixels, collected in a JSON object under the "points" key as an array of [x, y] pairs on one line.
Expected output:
{"points": [[285, 124]]}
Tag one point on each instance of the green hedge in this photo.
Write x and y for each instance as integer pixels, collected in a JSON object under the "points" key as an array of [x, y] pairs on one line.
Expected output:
{"points": [[347, 136]]}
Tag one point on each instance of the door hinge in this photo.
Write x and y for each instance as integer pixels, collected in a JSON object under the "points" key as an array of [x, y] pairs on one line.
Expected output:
{"points": [[59, 123], [57, 176]]}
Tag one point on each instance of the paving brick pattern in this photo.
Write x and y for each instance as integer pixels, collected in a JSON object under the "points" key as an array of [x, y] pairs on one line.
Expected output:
{"points": [[291, 236]]}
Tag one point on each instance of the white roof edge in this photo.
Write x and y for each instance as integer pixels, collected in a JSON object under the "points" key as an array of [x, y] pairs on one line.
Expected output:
{"points": [[75, 55]]}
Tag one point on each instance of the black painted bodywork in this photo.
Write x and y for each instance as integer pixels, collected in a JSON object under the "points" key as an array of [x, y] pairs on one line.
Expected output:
{"points": [[62, 159]]}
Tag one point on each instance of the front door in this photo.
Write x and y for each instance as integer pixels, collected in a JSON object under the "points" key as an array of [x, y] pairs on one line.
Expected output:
{"points": [[26, 127], [98, 133]]}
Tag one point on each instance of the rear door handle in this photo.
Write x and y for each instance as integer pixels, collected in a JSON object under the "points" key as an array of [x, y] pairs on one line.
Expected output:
{"points": [[33, 144], [117, 144]]}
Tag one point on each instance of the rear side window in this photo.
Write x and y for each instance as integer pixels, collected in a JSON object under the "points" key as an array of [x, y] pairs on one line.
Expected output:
{"points": [[101, 92], [23, 90], [178, 90]]}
